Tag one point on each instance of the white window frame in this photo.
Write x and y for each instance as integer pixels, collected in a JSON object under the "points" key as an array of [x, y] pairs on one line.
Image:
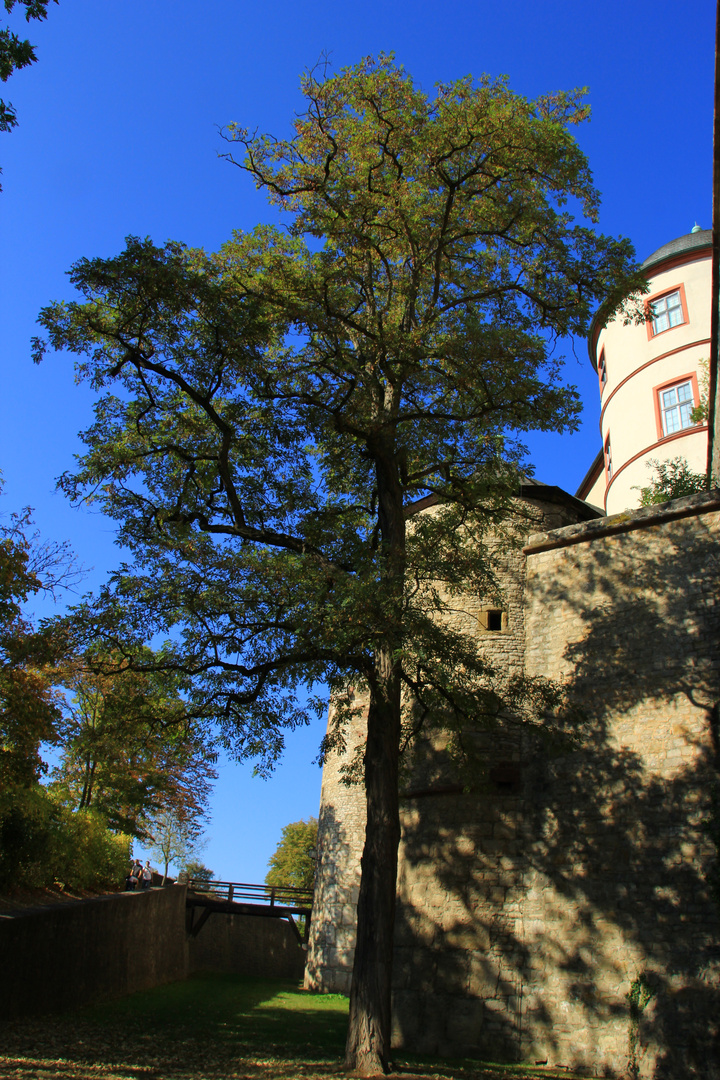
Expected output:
{"points": [[676, 403], [667, 315]]}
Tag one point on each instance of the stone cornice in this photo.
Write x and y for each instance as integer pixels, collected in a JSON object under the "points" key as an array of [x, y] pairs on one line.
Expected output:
{"points": [[627, 521]]}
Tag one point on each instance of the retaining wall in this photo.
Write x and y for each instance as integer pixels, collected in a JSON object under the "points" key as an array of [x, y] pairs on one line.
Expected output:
{"points": [[247, 945], [57, 958]]}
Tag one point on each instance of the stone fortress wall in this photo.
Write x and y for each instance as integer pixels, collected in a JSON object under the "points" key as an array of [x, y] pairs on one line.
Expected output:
{"points": [[577, 873], [341, 823]]}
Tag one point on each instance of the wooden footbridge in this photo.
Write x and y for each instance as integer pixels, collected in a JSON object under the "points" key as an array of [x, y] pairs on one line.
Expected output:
{"points": [[238, 898]]}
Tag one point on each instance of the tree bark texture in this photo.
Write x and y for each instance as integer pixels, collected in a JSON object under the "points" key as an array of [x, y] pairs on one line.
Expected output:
{"points": [[368, 1041]]}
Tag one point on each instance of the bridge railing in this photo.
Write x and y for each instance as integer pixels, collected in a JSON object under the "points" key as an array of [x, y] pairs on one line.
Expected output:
{"points": [[243, 892]]}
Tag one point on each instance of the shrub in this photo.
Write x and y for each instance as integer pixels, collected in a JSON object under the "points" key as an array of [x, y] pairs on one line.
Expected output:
{"points": [[43, 842], [672, 480]]}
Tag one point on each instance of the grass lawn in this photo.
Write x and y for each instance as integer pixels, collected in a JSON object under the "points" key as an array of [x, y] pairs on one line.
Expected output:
{"points": [[212, 1027]]}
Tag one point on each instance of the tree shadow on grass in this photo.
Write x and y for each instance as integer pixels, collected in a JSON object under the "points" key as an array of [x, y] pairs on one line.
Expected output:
{"points": [[210, 1025], [251, 1014]]}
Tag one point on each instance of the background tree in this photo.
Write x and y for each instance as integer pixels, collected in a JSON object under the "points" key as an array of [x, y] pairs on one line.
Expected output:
{"points": [[284, 404], [293, 862], [41, 841], [29, 710], [130, 749], [175, 839], [195, 870]]}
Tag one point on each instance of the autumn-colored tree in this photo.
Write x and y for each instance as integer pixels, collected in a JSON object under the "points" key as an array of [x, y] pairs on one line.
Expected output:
{"points": [[283, 405], [129, 749], [28, 656], [40, 840]]}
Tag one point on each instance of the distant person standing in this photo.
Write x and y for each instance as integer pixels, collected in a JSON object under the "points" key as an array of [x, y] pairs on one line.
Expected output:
{"points": [[134, 876], [147, 875]]}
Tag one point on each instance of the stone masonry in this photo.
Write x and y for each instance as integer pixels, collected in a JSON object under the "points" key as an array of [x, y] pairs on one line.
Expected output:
{"points": [[579, 869]]}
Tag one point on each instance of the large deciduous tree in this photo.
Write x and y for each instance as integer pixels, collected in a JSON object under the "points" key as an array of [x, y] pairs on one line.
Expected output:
{"points": [[284, 403]]}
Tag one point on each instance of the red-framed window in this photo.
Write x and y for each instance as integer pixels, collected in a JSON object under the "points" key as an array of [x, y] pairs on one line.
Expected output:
{"points": [[674, 403], [667, 309]]}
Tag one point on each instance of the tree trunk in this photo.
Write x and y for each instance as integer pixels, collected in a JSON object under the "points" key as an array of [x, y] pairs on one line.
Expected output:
{"points": [[367, 1051], [89, 778]]}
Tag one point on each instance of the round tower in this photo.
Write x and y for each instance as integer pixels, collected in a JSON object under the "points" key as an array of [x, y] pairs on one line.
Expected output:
{"points": [[650, 376]]}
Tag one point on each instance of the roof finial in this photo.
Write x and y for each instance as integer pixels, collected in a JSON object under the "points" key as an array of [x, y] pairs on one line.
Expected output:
{"points": [[696, 228]]}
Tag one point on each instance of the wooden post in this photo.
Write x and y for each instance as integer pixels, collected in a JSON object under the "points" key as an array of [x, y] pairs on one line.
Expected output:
{"points": [[230, 891]]}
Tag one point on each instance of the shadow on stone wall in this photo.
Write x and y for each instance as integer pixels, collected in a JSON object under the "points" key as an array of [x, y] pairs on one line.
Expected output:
{"points": [[331, 945], [528, 913]]}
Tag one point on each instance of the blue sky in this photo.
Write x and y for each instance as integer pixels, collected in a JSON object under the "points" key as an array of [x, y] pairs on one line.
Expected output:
{"points": [[118, 135]]}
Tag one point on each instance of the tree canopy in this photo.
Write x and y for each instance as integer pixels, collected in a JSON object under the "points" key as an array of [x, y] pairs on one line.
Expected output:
{"points": [[293, 862], [41, 841], [176, 838], [129, 750], [29, 709], [270, 415]]}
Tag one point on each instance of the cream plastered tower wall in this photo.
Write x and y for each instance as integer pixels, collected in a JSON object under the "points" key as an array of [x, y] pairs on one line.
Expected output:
{"points": [[638, 364]]}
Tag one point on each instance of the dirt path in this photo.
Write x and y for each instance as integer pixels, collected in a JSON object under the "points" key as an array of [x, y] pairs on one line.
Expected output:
{"points": [[21, 900]]}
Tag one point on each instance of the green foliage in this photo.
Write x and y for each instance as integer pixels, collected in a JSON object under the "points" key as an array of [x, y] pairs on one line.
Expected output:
{"points": [[94, 856], [194, 869], [16, 52], [700, 413], [130, 749], [639, 997], [672, 480], [29, 710], [174, 839], [294, 860], [282, 404], [43, 843]]}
